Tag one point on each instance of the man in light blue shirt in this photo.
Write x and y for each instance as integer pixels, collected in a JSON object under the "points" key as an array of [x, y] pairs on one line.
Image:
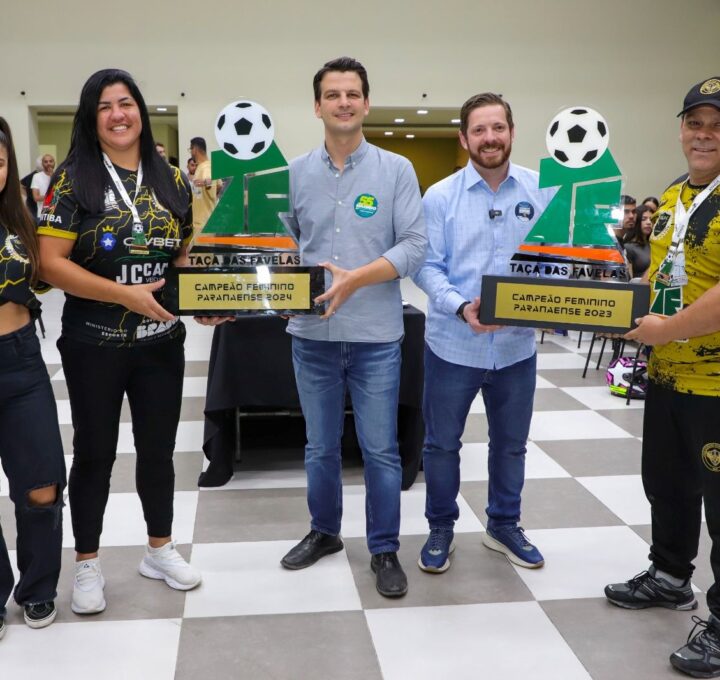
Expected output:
{"points": [[356, 211], [476, 219]]}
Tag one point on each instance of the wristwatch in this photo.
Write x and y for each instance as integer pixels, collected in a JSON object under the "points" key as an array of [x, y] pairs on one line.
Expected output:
{"points": [[460, 310]]}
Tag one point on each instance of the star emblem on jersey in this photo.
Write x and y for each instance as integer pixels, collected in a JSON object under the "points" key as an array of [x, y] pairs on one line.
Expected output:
{"points": [[711, 456], [108, 241]]}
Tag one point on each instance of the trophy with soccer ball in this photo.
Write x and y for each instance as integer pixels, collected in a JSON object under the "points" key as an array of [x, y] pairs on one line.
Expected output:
{"points": [[570, 271], [244, 261]]}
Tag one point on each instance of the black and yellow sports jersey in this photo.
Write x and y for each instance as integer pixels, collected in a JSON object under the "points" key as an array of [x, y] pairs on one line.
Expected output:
{"points": [[693, 366], [102, 246], [15, 272]]}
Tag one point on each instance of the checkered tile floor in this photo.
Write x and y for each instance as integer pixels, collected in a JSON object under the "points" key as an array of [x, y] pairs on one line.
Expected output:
{"points": [[583, 506]]}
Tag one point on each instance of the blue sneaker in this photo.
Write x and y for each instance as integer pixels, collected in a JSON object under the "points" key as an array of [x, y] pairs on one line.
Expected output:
{"points": [[434, 556], [512, 542]]}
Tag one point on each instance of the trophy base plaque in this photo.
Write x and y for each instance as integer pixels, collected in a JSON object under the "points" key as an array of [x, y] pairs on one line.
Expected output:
{"points": [[563, 303], [243, 289]]}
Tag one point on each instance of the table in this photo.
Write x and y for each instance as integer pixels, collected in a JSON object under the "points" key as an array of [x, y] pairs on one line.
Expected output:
{"points": [[251, 376]]}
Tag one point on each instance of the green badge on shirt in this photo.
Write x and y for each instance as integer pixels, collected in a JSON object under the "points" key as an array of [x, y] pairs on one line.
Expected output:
{"points": [[366, 205]]}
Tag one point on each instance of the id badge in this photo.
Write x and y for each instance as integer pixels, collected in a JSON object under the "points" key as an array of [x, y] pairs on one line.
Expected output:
{"points": [[679, 276]]}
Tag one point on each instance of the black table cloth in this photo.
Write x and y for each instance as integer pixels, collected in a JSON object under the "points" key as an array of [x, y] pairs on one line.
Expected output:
{"points": [[251, 373]]}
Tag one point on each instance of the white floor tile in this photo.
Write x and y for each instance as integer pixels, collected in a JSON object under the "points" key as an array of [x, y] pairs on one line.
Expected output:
{"points": [[4, 485], [623, 494], [471, 641], [550, 361], [113, 650], [189, 437], [412, 515], [246, 578], [64, 413], [581, 562], [542, 384], [538, 465], [124, 523], [556, 425], [262, 479], [195, 386], [600, 397]]}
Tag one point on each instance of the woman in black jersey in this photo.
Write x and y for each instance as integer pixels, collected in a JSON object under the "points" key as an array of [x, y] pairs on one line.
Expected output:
{"points": [[30, 446], [116, 216]]}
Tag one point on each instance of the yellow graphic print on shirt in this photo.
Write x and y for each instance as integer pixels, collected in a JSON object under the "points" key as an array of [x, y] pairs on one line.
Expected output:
{"points": [[692, 367]]}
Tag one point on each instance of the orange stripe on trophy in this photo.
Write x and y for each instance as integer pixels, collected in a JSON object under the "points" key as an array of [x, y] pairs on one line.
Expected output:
{"points": [[582, 253], [271, 242]]}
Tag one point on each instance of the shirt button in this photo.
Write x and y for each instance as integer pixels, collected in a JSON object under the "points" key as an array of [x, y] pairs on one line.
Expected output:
{"points": [[339, 202], [335, 257], [337, 174], [337, 230]]}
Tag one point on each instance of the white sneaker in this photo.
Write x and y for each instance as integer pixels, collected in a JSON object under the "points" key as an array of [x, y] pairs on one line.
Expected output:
{"points": [[167, 564], [88, 596]]}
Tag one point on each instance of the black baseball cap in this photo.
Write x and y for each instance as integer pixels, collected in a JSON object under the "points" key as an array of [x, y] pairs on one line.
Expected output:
{"points": [[705, 92]]}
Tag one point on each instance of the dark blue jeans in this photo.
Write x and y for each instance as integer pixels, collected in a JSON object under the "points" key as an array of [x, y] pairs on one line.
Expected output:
{"points": [[508, 395], [371, 373], [32, 457]]}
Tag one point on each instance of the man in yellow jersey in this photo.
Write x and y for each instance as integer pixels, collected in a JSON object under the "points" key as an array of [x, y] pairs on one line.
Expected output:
{"points": [[204, 187], [681, 433]]}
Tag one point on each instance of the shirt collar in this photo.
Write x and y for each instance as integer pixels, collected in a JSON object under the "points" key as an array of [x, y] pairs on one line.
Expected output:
{"points": [[353, 159], [472, 176]]}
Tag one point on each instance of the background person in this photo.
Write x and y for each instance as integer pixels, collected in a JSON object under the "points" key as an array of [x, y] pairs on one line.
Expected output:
{"points": [[118, 215], [204, 188], [41, 181], [637, 244], [30, 446]]}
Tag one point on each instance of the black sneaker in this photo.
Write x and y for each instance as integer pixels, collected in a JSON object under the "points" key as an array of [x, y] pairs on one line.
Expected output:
{"points": [[647, 590], [2, 627], [40, 615], [700, 657]]}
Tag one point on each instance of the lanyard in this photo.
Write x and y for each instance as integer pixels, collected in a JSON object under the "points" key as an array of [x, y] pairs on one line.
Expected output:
{"points": [[673, 266], [139, 244]]}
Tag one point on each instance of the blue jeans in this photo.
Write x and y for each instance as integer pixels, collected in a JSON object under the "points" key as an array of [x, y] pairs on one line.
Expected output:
{"points": [[371, 373], [508, 395]]}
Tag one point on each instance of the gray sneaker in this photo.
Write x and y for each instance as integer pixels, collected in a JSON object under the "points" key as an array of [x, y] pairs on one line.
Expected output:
{"points": [[700, 656], [648, 590]]}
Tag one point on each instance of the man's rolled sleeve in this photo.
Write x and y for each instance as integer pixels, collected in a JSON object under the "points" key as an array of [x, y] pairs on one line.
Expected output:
{"points": [[408, 252]]}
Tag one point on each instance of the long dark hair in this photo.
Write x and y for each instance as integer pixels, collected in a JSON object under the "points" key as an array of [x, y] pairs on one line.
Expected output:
{"points": [[85, 158], [14, 214], [636, 234]]}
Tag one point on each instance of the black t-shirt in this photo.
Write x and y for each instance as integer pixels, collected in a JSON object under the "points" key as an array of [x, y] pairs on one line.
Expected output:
{"points": [[102, 246], [15, 272]]}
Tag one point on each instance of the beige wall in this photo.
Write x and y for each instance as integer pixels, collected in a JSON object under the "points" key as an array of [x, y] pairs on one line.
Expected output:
{"points": [[632, 60]]}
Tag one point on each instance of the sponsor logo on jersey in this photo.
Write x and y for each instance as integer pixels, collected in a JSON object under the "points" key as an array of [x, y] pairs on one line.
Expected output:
{"points": [[158, 242], [108, 241], [141, 272], [146, 330]]}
